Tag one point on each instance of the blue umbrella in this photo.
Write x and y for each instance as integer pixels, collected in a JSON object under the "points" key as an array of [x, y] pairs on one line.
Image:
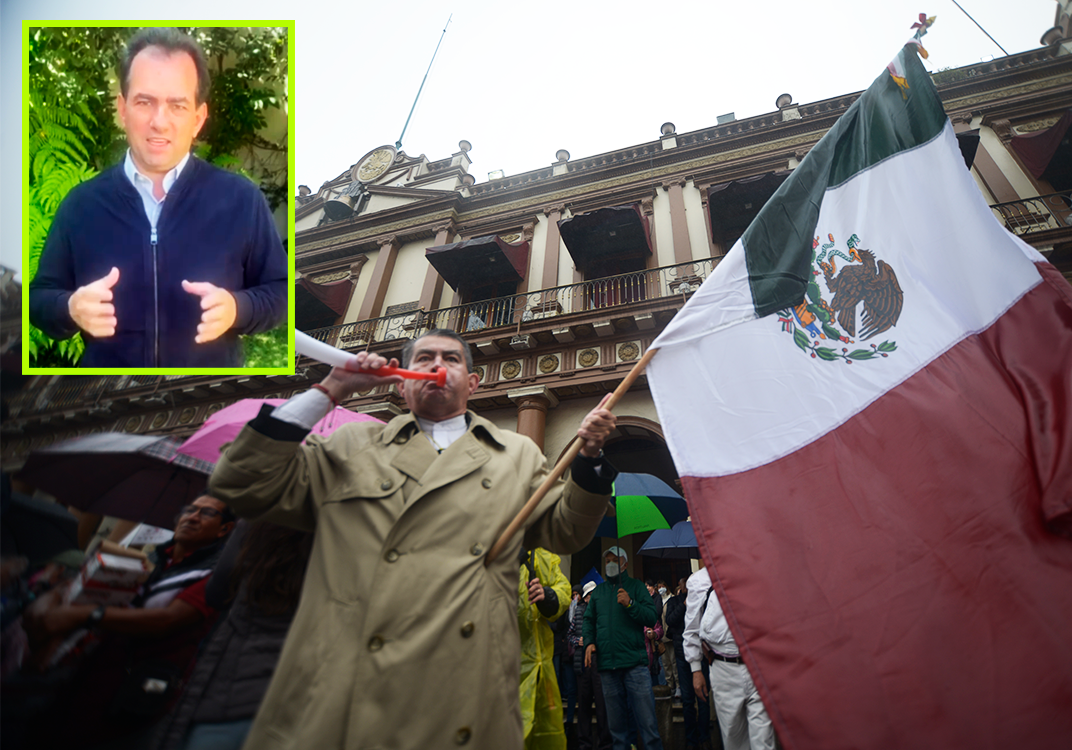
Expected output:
{"points": [[642, 503], [678, 543], [592, 575]]}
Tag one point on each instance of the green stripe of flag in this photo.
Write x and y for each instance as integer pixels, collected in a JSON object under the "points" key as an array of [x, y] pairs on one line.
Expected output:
{"points": [[881, 123]]}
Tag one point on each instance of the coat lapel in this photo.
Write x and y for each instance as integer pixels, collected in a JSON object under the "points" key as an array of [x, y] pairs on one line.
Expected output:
{"points": [[464, 456], [416, 457]]}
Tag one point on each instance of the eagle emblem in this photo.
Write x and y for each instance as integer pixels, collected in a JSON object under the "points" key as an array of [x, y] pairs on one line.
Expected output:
{"points": [[865, 299]]}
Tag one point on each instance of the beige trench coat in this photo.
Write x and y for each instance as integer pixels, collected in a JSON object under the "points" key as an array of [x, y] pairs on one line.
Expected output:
{"points": [[403, 639]]}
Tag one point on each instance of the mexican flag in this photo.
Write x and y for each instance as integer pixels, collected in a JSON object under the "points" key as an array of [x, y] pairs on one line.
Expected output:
{"points": [[869, 403]]}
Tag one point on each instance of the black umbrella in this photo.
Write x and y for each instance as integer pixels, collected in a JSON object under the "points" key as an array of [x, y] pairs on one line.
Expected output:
{"points": [[677, 543], [36, 530], [134, 477]]}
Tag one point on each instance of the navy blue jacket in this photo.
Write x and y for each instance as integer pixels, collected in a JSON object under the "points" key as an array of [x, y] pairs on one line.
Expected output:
{"points": [[215, 226]]}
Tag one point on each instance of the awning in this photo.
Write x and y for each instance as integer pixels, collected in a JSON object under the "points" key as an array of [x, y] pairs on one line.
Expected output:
{"points": [[479, 261], [968, 140], [736, 203], [618, 231], [1036, 150], [318, 305]]}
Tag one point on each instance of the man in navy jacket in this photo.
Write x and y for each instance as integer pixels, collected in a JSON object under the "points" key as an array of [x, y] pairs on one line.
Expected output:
{"points": [[163, 260]]}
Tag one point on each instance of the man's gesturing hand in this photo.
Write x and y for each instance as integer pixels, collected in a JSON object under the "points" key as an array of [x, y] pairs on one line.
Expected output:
{"points": [[218, 310], [91, 306], [595, 429]]}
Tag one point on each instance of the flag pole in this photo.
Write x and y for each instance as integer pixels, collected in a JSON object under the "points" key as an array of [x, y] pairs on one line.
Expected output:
{"points": [[564, 462]]}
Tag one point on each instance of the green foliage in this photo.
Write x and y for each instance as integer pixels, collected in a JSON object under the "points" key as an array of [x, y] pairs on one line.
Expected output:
{"points": [[247, 66], [60, 143], [268, 349], [73, 133], [951, 75]]}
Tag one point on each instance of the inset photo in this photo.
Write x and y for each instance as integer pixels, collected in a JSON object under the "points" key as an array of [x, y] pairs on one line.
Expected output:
{"points": [[158, 164]]}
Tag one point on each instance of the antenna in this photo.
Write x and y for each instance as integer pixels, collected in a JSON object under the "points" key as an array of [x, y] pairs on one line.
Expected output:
{"points": [[398, 143], [995, 41]]}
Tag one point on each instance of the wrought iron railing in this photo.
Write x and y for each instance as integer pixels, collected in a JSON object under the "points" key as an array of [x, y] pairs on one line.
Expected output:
{"points": [[501, 312], [76, 393], [1036, 214]]}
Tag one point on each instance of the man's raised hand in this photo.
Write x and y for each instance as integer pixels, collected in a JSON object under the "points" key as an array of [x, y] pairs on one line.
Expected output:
{"points": [[596, 428], [218, 310], [91, 306], [358, 375]]}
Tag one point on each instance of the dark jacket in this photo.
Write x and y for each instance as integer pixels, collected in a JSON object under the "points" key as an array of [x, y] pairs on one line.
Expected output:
{"points": [[573, 636], [618, 631], [236, 663], [215, 226], [675, 619]]}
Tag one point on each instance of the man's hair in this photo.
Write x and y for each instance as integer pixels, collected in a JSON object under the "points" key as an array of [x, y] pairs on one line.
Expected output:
{"points": [[226, 514], [411, 346], [171, 41]]}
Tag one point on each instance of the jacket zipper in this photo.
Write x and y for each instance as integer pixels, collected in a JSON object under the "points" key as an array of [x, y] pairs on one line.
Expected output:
{"points": [[156, 304]]}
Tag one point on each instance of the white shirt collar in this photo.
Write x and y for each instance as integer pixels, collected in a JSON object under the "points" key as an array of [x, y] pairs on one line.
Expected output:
{"points": [[442, 434], [138, 180]]}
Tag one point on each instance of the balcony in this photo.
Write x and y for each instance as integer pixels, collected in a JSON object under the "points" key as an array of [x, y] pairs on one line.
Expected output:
{"points": [[1029, 215], [609, 296]]}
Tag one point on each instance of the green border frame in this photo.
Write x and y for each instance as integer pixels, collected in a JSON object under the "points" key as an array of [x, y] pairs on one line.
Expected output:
{"points": [[291, 189]]}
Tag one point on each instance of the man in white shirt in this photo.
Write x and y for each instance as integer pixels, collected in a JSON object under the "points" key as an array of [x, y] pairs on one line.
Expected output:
{"points": [[742, 718]]}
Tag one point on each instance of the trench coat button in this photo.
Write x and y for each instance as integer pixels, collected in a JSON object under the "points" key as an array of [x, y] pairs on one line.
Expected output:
{"points": [[462, 736], [375, 643], [486, 484], [393, 555], [467, 629], [385, 484], [477, 549]]}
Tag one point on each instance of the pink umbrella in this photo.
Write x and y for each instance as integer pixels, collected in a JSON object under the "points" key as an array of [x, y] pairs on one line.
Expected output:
{"points": [[224, 426]]}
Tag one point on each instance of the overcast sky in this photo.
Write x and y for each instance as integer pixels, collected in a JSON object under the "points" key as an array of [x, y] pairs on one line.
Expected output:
{"points": [[521, 80]]}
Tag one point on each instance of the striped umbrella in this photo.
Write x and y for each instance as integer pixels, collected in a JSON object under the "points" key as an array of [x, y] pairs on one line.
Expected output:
{"points": [[642, 502]]}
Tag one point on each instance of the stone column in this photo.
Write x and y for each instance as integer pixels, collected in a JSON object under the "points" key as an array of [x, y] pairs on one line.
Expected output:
{"points": [[985, 166], [433, 282], [372, 305], [647, 208], [549, 277], [714, 250], [532, 405], [354, 275], [679, 226]]}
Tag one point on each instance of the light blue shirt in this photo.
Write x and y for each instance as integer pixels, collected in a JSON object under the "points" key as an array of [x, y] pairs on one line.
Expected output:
{"points": [[144, 186]]}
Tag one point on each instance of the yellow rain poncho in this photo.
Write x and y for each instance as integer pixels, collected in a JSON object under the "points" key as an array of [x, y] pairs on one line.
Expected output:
{"points": [[541, 704]]}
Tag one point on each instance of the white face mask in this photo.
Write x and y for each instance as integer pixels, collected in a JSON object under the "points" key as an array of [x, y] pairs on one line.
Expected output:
{"points": [[611, 569], [662, 591]]}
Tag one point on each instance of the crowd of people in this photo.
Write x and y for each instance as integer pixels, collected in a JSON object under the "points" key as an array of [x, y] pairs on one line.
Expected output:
{"points": [[358, 603]]}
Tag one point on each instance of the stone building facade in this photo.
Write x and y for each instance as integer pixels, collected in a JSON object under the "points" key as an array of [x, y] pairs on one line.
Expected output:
{"points": [[562, 277]]}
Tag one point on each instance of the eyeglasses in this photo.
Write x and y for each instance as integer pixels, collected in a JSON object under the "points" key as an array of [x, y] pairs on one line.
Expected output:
{"points": [[193, 510]]}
